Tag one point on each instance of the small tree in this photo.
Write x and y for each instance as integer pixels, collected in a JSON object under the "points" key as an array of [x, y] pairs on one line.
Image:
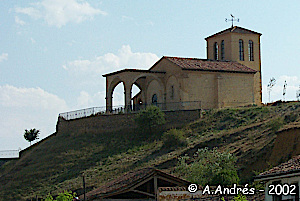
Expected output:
{"points": [[271, 84], [31, 135], [209, 167], [151, 117]]}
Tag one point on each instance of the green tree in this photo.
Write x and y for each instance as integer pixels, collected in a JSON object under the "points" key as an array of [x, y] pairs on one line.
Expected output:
{"points": [[149, 118], [31, 135], [210, 167]]}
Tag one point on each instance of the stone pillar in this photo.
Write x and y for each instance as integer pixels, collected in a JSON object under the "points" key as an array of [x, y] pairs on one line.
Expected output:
{"points": [[127, 95], [108, 100]]}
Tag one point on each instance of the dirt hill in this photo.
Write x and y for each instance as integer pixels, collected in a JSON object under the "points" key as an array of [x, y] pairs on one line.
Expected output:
{"points": [[104, 147]]}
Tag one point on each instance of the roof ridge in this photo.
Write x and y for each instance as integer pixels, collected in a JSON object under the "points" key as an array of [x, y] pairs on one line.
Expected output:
{"points": [[190, 58], [231, 30]]}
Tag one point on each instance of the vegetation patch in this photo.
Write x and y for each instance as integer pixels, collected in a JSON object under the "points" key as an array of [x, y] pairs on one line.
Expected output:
{"points": [[211, 167], [174, 138], [56, 164]]}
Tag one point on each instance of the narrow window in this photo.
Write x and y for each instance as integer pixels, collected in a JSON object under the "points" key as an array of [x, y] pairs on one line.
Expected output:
{"points": [[216, 51], [241, 49], [172, 92], [222, 50], [250, 51]]}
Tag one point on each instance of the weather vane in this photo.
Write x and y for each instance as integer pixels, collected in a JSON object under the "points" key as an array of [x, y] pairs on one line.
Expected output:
{"points": [[232, 19]]}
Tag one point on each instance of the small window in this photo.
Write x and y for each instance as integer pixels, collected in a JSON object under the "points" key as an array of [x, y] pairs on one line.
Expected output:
{"points": [[216, 51], [154, 99], [241, 49], [172, 92], [250, 50], [222, 50]]}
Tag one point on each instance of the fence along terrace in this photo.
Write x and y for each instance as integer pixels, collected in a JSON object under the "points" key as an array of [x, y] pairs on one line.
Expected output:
{"points": [[93, 111]]}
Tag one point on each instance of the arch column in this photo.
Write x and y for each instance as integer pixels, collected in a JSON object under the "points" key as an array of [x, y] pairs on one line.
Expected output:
{"points": [[127, 95], [108, 98], [108, 102]]}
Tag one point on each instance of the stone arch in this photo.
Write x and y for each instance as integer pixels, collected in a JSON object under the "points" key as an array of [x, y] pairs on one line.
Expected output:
{"points": [[110, 90], [143, 81], [129, 78]]}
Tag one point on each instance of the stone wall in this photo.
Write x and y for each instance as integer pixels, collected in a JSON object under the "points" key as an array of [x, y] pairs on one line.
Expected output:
{"points": [[104, 123]]}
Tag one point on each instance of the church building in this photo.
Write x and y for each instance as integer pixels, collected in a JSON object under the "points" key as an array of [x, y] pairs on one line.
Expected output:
{"points": [[229, 77]]}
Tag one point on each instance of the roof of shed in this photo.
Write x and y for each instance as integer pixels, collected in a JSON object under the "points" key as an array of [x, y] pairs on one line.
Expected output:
{"points": [[129, 180]]}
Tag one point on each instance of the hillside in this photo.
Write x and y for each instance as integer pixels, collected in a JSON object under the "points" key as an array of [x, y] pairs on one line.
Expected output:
{"points": [[260, 137]]}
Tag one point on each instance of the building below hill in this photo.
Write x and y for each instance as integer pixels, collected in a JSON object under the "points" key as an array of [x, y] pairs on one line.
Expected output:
{"points": [[139, 185], [282, 181], [229, 77]]}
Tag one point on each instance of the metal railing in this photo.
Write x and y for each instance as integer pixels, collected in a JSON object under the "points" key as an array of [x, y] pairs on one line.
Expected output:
{"points": [[93, 111], [7, 154]]}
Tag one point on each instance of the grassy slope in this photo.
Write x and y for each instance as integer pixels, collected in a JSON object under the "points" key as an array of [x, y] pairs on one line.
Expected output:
{"points": [[58, 162]]}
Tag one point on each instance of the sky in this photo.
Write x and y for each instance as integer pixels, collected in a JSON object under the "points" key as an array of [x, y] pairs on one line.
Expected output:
{"points": [[53, 53]]}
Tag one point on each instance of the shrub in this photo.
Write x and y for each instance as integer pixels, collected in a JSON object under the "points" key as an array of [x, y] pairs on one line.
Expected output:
{"points": [[173, 138], [276, 124], [209, 167], [151, 117], [290, 117], [65, 196]]}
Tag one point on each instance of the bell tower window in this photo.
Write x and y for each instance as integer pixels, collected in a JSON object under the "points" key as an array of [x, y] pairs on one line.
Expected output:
{"points": [[216, 51], [241, 49], [222, 50], [250, 50]]}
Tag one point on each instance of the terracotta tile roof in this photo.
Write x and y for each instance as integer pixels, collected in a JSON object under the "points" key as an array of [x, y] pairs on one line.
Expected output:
{"points": [[126, 181], [234, 29], [131, 70], [210, 65], [291, 166]]}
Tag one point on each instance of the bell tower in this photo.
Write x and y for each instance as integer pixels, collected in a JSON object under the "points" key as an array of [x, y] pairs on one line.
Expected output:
{"points": [[241, 45]]}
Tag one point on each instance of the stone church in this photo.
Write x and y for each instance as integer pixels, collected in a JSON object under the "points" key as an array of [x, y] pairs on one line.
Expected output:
{"points": [[229, 77]]}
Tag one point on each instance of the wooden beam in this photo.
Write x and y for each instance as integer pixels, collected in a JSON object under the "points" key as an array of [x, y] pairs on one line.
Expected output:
{"points": [[155, 186], [144, 193], [170, 180]]}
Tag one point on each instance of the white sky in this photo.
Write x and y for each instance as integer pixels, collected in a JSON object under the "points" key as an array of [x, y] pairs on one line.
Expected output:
{"points": [[53, 52]]}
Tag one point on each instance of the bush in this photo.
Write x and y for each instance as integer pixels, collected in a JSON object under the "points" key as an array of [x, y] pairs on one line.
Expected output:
{"points": [[276, 124], [290, 117], [65, 196], [173, 138], [209, 167], [151, 117]]}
